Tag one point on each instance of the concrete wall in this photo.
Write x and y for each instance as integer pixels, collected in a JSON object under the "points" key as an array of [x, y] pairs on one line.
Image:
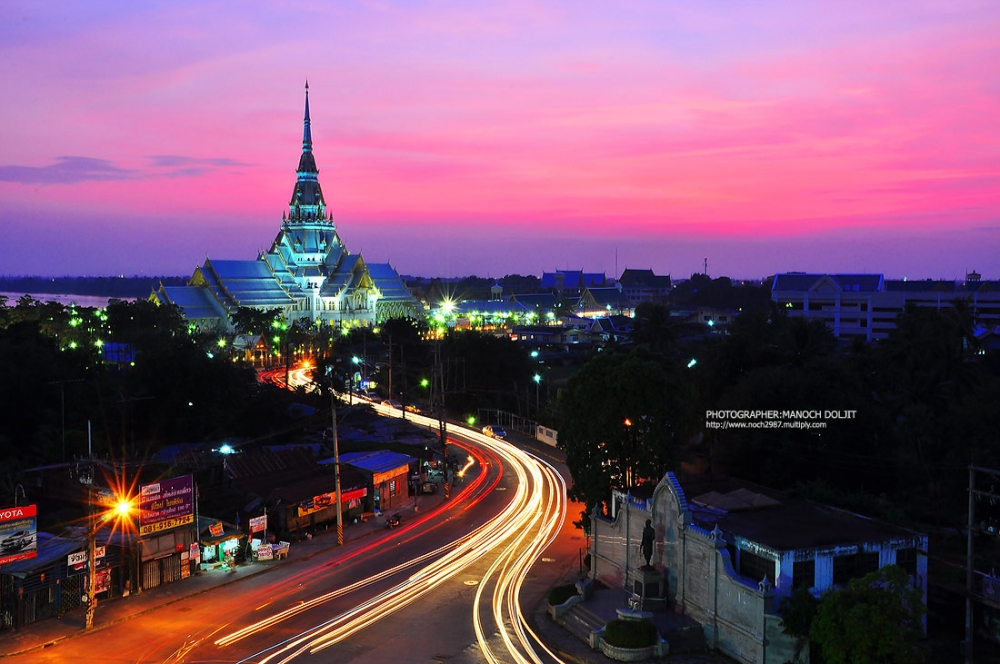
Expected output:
{"points": [[736, 613], [546, 435]]}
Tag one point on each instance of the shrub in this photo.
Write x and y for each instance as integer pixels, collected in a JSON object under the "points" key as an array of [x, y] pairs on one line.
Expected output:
{"points": [[630, 633], [560, 594]]}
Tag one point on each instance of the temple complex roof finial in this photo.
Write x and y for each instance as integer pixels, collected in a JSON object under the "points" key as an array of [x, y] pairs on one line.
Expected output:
{"points": [[307, 130]]}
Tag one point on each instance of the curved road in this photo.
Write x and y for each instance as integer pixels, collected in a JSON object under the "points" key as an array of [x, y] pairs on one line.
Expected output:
{"points": [[443, 586]]}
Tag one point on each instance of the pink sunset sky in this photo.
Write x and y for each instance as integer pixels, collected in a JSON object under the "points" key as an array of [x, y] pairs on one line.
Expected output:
{"points": [[458, 138]]}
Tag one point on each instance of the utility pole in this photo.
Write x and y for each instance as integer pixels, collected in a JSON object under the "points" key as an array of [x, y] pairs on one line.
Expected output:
{"points": [[62, 407], [439, 383], [336, 465]]}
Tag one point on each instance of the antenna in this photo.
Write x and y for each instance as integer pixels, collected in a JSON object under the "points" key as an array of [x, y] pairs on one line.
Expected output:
{"points": [[706, 267]]}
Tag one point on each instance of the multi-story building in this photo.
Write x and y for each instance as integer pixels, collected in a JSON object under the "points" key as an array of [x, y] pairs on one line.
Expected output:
{"points": [[866, 306]]}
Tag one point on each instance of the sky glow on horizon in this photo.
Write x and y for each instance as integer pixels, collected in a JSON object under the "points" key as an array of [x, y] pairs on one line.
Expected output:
{"points": [[509, 138]]}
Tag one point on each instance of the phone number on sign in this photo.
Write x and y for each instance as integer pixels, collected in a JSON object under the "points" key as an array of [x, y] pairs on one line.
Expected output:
{"points": [[166, 524]]}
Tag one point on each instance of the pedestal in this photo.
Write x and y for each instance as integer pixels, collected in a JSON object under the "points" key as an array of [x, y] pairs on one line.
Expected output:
{"points": [[649, 585]]}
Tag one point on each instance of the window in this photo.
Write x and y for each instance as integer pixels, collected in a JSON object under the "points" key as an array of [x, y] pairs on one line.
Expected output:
{"points": [[755, 567], [907, 559], [804, 574], [854, 566]]}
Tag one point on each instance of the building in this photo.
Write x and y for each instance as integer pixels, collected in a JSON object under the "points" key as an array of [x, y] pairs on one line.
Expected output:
{"points": [[726, 553], [387, 475], [308, 273], [866, 306], [643, 285], [571, 283]]}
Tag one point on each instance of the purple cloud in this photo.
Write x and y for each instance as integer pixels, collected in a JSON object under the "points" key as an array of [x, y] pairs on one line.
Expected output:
{"points": [[67, 170]]}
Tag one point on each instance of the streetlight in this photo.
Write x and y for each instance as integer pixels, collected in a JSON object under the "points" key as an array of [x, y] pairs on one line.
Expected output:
{"points": [[350, 388], [538, 381], [121, 511]]}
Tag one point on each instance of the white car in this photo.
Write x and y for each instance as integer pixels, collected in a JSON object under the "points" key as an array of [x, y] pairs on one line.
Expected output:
{"points": [[16, 541], [494, 431]]}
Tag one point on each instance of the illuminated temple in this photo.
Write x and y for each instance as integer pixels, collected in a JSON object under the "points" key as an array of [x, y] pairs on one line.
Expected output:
{"points": [[308, 273]]}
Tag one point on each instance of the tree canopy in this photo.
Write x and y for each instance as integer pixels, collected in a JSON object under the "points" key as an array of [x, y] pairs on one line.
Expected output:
{"points": [[623, 419]]}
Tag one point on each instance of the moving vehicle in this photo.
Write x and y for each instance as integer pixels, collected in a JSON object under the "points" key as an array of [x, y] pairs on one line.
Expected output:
{"points": [[392, 404], [494, 431]]}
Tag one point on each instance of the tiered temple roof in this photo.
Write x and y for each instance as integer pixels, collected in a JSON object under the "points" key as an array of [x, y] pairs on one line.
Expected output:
{"points": [[308, 273]]}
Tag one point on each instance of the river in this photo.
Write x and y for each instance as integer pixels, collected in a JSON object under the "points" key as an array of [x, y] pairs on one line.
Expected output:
{"points": [[97, 301]]}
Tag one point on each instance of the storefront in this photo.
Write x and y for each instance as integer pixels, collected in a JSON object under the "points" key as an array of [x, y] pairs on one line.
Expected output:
{"points": [[221, 544]]}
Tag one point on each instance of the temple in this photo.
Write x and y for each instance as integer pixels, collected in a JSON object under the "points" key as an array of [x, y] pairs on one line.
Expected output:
{"points": [[307, 273]]}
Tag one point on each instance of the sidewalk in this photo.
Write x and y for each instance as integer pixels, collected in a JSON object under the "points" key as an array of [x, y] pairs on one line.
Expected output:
{"points": [[110, 612]]}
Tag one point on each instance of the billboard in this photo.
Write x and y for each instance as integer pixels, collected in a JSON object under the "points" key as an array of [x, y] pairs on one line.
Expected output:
{"points": [[166, 504], [18, 533]]}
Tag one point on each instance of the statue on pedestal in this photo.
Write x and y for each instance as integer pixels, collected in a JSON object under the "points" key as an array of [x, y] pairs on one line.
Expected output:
{"points": [[648, 534]]}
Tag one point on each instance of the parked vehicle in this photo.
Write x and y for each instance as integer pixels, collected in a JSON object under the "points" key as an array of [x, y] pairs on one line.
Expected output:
{"points": [[494, 431], [429, 487], [393, 520]]}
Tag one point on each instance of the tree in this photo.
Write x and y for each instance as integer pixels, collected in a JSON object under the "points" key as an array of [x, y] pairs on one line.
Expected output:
{"points": [[248, 320], [877, 619], [622, 420]]}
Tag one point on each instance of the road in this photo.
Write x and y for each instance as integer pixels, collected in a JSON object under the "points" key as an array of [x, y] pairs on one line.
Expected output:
{"points": [[444, 586]]}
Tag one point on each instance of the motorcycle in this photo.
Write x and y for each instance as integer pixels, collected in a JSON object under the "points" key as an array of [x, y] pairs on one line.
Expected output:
{"points": [[393, 520]]}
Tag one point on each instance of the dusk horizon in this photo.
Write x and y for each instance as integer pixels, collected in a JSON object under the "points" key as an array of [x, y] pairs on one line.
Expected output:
{"points": [[451, 142]]}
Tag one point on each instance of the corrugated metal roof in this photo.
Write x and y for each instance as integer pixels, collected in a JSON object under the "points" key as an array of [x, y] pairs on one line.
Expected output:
{"points": [[380, 461]]}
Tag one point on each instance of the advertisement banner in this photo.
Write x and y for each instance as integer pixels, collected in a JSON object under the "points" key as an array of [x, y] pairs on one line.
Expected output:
{"points": [[18, 533], [258, 523], [166, 504]]}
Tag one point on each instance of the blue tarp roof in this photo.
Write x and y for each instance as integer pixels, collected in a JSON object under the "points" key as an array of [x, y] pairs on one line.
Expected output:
{"points": [[379, 461]]}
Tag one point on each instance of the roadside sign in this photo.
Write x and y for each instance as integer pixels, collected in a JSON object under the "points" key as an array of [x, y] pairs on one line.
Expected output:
{"points": [[258, 523]]}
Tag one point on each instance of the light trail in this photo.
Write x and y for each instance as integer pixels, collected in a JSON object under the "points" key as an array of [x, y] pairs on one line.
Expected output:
{"points": [[516, 536]]}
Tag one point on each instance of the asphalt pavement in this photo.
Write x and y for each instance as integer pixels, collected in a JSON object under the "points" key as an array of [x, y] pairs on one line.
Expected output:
{"points": [[48, 632]]}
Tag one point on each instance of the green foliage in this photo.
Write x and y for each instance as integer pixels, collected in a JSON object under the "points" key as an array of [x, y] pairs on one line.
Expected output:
{"points": [[623, 418], [798, 612], [630, 633], [248, 320], [561, 594], [876, 619]]}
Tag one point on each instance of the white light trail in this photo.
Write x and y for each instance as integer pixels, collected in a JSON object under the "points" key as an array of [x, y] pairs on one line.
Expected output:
{"points": [[516, 536]]}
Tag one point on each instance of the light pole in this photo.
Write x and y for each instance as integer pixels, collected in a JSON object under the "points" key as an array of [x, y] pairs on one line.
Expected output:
{"points": [[538, 381], [122, 511], [336, 465]]}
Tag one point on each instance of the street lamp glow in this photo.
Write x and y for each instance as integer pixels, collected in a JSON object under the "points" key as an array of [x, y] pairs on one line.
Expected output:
{"points": [[537, 378], [692, 363], [424, 382], [471, 421]]}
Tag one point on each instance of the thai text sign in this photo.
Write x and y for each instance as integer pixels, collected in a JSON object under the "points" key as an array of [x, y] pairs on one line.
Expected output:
{"points": [[18, 533], [258, 523], [165, 505]]}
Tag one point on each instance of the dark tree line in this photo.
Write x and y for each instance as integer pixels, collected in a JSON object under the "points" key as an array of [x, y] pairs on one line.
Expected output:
{"points": [[924, 404]]}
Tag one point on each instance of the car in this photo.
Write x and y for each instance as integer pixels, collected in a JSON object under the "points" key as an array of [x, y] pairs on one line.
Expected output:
{"points": [[494, 431], [429, 487], [414, 408], [16, 541], [392, 404]]}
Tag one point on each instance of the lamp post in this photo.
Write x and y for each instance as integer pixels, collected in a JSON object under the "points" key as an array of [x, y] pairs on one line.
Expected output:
{"points": [[122, 510], [538, 381], [336, 465]]}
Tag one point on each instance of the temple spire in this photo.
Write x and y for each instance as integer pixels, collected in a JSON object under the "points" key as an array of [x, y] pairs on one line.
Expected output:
{"points": [[307, 140]]}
